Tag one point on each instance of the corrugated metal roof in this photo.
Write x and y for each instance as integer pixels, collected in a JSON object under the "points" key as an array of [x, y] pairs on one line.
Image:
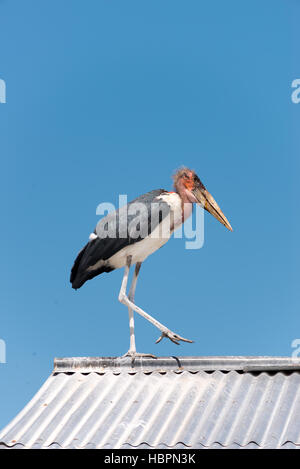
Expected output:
{"points": [[168, 402]]}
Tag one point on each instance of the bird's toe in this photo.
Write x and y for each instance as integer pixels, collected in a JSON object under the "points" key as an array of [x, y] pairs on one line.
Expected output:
{"points": [[133, 355], [175, 338]]}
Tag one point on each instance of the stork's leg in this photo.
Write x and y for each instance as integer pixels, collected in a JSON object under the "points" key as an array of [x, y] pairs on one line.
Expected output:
{"points": [[123, 298], [132, 350]]}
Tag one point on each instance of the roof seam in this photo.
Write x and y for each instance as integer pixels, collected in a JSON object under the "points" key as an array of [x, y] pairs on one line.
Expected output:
{"points": [[126, 443], [191, 372]]}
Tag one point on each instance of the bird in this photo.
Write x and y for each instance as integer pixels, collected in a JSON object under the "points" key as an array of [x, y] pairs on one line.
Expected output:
{"points": [[128, 235]]}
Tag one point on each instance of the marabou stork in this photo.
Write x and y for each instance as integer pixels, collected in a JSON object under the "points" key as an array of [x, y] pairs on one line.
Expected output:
{"points": [[130, 234]]}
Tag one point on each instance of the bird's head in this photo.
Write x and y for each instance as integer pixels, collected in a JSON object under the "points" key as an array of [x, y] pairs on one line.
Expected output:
{"points": [[191, 189]]}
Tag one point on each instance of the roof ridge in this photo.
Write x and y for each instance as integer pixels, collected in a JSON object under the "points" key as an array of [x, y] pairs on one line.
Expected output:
{"points": [[174, 363]]}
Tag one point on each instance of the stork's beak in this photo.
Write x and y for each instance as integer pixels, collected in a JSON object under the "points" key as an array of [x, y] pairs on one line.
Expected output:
{"points": [[205, 199]]}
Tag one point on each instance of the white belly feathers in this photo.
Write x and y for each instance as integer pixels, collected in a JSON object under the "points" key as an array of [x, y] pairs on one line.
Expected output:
{"points": [[140, 250], [160, 235]]}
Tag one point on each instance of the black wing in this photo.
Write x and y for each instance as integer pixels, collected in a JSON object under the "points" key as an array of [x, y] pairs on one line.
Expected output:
{"points": [[117, 230]]}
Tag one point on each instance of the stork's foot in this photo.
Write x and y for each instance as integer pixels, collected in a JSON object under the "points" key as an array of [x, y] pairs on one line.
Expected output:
{"points": [[173, 337], [134, 355]]}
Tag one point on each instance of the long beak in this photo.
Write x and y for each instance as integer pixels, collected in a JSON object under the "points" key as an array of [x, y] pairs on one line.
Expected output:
{"points": [[205, 199]]}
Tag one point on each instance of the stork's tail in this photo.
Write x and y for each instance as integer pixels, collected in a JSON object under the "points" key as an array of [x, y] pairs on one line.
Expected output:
{"points": [[80, 272]]}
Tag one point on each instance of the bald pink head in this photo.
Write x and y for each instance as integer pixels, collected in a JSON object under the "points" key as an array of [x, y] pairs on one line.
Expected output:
{"points": [[191, 190], [185, 181]]}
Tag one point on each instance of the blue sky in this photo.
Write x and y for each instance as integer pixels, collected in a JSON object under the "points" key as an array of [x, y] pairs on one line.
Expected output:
{"points": [[107, 98]]}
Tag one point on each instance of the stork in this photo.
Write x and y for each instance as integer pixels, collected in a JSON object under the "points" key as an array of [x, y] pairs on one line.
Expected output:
{"points": [[127, 236]]}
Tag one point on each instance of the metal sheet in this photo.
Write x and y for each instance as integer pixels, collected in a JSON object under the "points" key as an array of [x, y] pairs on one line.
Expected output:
{"points": [[161, 408]]}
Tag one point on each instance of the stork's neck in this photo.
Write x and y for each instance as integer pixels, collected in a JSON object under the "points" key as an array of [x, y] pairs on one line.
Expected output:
{"points": [[186, 202], [184, 193]]}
